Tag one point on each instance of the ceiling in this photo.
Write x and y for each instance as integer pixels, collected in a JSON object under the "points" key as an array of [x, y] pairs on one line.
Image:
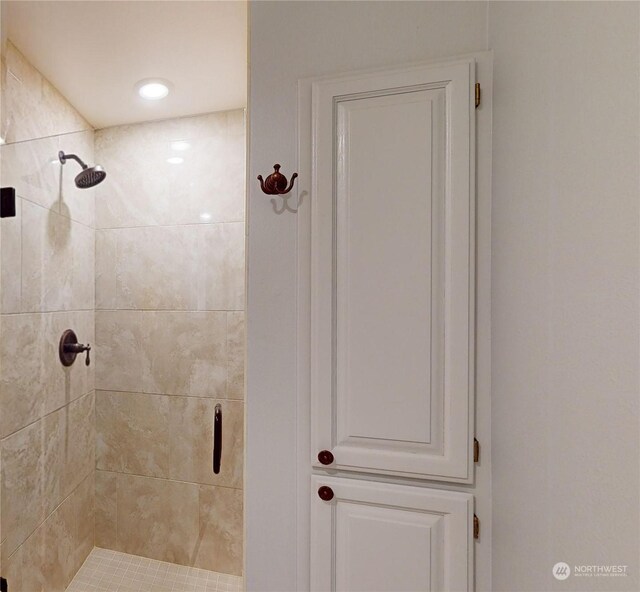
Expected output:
{"points": [[94, 53]]}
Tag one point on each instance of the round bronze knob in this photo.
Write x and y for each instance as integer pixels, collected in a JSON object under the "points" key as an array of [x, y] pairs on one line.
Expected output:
{"points": [[325, 457], [325, 493]]}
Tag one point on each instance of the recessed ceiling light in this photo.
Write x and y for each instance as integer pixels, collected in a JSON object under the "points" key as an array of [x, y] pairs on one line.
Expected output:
{"points": [[1, 140], [205, 216], [175, 160], [153, 89], [180, 145]]}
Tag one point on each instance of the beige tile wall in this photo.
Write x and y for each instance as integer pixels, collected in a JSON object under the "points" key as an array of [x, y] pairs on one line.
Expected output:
{"points": [[165, 271], [32, 108], [47, 412], [170, 340]]}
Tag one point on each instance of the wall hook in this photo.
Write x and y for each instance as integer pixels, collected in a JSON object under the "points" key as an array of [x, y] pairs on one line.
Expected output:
{"points": [[276, 182]]}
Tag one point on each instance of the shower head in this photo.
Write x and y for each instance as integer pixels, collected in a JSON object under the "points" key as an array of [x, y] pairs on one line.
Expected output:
{"points": [[89, 176]]}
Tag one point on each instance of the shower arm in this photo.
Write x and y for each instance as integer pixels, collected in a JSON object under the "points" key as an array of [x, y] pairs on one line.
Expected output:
{"points": [[63, 158]]}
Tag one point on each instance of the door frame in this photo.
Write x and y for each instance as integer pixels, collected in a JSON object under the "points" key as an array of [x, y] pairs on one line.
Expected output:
{"points": [[481, 487]]}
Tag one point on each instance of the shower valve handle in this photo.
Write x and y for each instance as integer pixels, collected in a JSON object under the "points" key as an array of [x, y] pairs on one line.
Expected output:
{"points": [[78, 348], [70, 348]]}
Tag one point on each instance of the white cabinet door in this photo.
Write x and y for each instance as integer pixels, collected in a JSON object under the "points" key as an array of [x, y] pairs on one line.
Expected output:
{"points": [[380, 537], [392, 281]]}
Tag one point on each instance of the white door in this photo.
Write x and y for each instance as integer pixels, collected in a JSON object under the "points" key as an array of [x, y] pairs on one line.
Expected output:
{"points": [[392, 280], [380, 537]]}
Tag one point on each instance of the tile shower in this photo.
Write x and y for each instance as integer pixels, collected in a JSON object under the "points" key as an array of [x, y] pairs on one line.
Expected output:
{"points": [[148, 267]]}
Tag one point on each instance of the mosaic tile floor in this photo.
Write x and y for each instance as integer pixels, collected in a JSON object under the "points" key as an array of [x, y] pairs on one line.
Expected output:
{"points": [[110, 571]]}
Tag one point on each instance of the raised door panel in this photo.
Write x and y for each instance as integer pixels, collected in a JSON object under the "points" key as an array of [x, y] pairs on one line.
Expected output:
{"points": [[387, 537], [392, 271]]}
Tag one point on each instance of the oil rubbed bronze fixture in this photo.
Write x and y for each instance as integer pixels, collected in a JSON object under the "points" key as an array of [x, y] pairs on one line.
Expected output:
{"points": [[89, 176], [325, 493], [217, 438], [7, 202], [69, 348], [276, 182]]}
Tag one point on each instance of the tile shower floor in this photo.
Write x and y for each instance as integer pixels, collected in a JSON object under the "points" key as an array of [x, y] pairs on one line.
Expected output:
{"points": [[110, 571]]}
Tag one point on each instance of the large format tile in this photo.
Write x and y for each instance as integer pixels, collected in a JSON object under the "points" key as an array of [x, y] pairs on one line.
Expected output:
{"points": [[105, 276], [152, 267], [32, 554], [190, 354], [168, 436], [23, 568], [157, 518], [31, 106], [47, 420], [54, 433], [47, 262], [121, 350], [133, 433], [68, 537], [143, 189], [106, 510], [33, 381], [57, 269], [235, 355], [192, 267], [22, 490], [80, 442], [83, 500], [59, 547], [191, 421], [42, 465], [180, 353], [11, 261], [221, 531], [58, 262], [220, 281], [48, 559], [77, 204], [12, 569], [33, 168]]}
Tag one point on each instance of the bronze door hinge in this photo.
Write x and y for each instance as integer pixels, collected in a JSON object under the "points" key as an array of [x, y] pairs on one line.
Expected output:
{"points": [[476, 527], [478, 94], [476, 450]]}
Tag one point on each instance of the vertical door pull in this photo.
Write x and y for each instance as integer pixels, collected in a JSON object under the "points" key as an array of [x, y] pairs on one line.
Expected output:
{"points": [[7, 210], [217, 437]]}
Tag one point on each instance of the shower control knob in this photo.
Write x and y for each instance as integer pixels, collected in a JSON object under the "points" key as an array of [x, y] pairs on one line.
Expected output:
{"points": [[69, 348], [325, 493], [325, 457]]}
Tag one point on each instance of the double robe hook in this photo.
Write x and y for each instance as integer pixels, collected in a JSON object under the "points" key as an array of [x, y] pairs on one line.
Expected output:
{"points": [[276, 182]]}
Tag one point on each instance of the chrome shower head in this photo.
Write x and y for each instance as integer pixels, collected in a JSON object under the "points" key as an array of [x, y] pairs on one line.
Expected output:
{"points": [[89, 176]]}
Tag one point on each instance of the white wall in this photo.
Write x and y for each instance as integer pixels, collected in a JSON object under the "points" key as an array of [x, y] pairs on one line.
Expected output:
{"points": [[565, 268], [289, 41], [565, 316]]}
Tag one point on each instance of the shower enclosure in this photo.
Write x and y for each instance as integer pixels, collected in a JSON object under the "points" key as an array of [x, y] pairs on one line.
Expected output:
{"points": [[110, 457]]}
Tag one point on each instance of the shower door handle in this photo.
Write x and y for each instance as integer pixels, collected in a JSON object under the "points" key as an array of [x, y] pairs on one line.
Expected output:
{"points": [[217, 437]]}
